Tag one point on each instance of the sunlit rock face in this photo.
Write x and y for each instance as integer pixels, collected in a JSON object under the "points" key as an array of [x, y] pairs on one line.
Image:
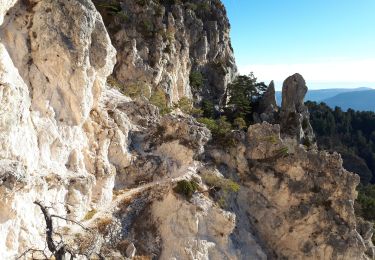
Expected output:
{"points": [[53, 71], [299, 202], [159, 43]]}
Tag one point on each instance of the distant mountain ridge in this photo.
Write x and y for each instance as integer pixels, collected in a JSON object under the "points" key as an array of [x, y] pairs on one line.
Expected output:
{"points": [[357, 100], [361, 99]]}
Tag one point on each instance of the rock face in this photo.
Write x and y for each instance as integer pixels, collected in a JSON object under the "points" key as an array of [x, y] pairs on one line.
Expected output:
{"points": [[267, 105], [160, 44], [107, 167], [52, 73], [305, 197], [294, 116]]}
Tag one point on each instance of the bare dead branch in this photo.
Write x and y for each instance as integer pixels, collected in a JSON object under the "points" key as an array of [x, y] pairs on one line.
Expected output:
{"points": [[70, 220]]}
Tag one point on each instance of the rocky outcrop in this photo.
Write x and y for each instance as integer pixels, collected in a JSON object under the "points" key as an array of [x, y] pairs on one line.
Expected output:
{"points": [[267, 106], [52, 74], [161, 44], [306, 198], [294, 115]]}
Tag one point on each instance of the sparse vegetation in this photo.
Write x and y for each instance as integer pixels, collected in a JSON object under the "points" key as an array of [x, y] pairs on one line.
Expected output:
{"points": [[271, 139], [196, 80], [186, 105], [103, 225], [220, 188], [208, 108], [365, 203], [159, 99], [186, 188], [240, 123], [282, 152], [134, 90], [90, 214]]}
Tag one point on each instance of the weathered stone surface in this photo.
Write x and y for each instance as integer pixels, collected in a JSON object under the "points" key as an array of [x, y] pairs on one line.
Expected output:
{"points": [[263, 141], [160, 43], [293, 93], [55, 57], [306, 198], [294, 116], [267, 103]]}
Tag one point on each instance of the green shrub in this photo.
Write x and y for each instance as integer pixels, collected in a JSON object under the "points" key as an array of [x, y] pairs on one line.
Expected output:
{"points": [[306, 142], [282, 152], [159, 99], [221, 131], [366, 202], [186, 188], [227, 185], [90, 214], [271, 139], [221, 187], [223, 126], [147, 27], [186, 106], [111, 6], [305, 123], [240, 123], [208, 108], [133, 90], [196, 80]]}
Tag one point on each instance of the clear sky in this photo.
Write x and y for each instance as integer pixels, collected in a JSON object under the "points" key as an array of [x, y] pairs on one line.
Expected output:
{"points": [[330, 42]]}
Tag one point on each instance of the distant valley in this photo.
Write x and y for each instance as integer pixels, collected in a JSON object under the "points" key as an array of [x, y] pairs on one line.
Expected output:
{"points": [[361, 99]]}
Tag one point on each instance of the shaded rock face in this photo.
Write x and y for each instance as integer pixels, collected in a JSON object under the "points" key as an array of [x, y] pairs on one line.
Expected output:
{"points": [[159, 44], [293, 93], [267, 106], [294, 116], [305, 197]]}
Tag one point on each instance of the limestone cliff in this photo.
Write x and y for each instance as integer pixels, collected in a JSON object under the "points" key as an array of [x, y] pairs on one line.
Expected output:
{"points": [[161, 44], [111, 178]]}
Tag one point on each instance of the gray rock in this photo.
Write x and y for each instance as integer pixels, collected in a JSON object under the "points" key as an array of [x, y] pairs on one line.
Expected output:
{"points": [[131, 250], [293, 93], [267, 103], [159, 44], [294, 115]]}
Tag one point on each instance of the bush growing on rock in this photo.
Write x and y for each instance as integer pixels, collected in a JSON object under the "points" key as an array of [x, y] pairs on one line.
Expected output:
{"points": [[221, 130], [208, 108], [186, 105], [220, 187], [240, 123], [133, 91], [186, 188], [196, 80], [159, 99]]}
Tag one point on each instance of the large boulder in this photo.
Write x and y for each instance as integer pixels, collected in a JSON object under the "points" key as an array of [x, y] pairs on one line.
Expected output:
{"points": [[294, 91], [294, 115]]}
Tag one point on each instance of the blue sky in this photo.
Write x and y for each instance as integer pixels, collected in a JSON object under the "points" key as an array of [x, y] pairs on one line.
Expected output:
{"points": [[330, 42]]}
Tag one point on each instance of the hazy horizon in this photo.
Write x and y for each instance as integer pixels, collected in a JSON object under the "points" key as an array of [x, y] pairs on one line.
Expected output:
{"points": [[326, 85], [330, 43]]}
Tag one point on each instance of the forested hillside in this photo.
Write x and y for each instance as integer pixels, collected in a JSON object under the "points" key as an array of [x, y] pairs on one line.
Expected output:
{"points": [[352, 134]]}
